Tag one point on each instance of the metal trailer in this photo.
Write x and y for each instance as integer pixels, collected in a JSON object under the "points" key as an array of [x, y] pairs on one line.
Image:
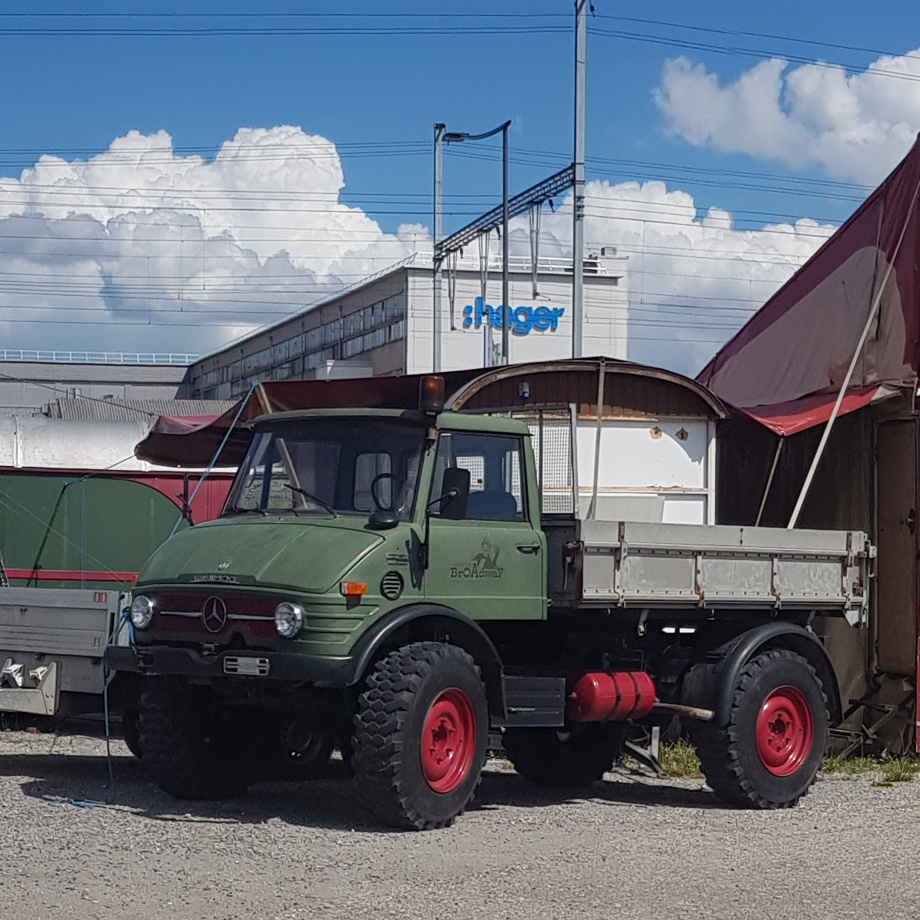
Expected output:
{"points": [[52, 644], [79, 515]]}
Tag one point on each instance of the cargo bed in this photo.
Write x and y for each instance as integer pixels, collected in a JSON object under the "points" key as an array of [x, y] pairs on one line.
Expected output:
{"points": [[628, 563]]}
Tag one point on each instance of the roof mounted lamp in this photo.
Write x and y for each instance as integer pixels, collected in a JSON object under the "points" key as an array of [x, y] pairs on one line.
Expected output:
{"points": [[431, 394]]}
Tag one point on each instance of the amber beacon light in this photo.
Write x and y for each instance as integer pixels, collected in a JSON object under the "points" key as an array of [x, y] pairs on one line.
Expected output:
{"points": [[431, 394]]}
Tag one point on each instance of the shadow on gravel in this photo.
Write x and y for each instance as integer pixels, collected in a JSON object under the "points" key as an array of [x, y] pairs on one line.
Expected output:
{"points": [[508, 790], [331, 803]]}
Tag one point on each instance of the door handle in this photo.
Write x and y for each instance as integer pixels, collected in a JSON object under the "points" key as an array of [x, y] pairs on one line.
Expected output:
{"points": [[529, 547]]}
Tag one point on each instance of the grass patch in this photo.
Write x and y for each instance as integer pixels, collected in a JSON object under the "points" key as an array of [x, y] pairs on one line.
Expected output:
{"points": [[897, 770], [679, 759], [890, 770], [849, 766]]}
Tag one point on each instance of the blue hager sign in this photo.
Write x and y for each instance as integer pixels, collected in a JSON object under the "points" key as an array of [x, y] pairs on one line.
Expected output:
{"points": [[521, 320]]}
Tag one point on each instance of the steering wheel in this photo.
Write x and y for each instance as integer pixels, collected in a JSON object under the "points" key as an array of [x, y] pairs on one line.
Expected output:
{"points": [[395, 487]]}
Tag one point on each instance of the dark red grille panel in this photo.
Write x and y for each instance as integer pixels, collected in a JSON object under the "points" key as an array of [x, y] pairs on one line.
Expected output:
{"points": [[245, 605]]}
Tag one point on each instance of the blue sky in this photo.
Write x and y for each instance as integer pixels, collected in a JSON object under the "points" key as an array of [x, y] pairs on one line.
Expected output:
{"points": [[730, 106]]}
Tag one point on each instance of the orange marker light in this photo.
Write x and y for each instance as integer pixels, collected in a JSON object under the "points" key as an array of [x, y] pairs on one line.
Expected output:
{"points": [[353, 588]]}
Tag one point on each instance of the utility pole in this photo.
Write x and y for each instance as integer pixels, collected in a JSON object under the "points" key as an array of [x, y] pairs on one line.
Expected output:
{"points": [[506, 306], [578, 198], [439, 128]]}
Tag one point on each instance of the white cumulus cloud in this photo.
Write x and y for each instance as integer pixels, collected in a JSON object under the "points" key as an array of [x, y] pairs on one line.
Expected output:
{"points": [[856, 125], [693, 278], [142, 249]]}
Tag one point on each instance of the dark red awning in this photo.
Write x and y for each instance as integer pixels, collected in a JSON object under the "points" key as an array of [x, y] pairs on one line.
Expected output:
{"points": [[787, 418], [800, 344]]}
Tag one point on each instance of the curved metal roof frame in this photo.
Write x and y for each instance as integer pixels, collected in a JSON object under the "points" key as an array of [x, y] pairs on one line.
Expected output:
{"points": [[465, 393]]}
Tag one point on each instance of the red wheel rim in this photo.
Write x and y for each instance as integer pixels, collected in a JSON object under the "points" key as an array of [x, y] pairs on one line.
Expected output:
{"points": [[784, 731], [448, 740]]}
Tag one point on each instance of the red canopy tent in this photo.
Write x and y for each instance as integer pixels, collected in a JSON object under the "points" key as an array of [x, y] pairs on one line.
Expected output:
{"points": [[843, 334], [858, 296]]}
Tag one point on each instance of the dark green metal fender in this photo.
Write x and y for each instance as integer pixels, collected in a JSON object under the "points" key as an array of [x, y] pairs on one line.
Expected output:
{"points": [[710, 684], [420, 622]]}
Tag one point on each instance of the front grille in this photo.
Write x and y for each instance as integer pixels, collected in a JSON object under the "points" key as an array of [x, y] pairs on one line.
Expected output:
{"points": [[239, 604], [180, 612]]}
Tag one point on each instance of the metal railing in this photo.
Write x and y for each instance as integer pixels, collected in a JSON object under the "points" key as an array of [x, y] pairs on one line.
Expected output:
{"points": [[96, 357]]}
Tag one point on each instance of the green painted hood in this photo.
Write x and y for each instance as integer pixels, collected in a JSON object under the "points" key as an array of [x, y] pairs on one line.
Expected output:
{"points": [[291, 552]]}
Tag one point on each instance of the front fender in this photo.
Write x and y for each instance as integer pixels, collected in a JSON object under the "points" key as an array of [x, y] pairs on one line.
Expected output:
{"points": [[418, 622]]}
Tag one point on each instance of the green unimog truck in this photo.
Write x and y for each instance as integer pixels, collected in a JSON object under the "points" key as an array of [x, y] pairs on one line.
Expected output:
{"points": [[535, 553]]}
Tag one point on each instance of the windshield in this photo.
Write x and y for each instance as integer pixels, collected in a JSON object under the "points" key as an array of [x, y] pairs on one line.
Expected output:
{"points": [[331, 466]]}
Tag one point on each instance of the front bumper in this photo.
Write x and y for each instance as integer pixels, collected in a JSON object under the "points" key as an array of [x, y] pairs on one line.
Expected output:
{"points": [[286, 666]]}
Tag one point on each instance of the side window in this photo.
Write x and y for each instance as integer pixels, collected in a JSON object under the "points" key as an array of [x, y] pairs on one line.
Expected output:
{"points": [[476, 467], [494, 465]]}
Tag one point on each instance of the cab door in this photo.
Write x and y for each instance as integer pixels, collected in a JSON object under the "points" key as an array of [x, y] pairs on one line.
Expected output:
{"points": [[491, 564]]}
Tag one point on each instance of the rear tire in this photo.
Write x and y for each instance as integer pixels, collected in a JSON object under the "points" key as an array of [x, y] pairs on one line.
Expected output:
{"points": [[190, 748], [301, 752], [565, 758], [421, 729], [769, 753]]}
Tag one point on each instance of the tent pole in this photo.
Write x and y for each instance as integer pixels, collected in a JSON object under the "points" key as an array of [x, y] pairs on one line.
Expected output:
{"points": [[592, 508], [766, 491], [846, 380]]}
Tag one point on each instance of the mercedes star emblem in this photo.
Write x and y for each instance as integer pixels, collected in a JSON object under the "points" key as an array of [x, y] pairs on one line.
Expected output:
{"points": [[214, 614]]}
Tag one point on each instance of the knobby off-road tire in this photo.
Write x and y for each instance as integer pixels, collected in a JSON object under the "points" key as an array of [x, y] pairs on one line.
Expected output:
{"points": [[130, 732], [769, 753], [421, 729], [190, 749], [569, 758]]}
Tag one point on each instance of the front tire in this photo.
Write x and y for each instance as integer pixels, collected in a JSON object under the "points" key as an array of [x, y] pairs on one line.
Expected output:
{"points": [[769, 753], [190, 748], [565, 758], [421, 729], [130, 732]]}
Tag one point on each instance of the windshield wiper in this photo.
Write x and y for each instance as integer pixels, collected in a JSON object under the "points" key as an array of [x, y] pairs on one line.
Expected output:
{"points": [[312, 498]]}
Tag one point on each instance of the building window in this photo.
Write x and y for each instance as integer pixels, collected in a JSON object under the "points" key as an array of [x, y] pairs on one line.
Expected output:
{"points": [[332, 332], [352, 347], [354, 323], [375, 339], [313, 339], [395, 306]]}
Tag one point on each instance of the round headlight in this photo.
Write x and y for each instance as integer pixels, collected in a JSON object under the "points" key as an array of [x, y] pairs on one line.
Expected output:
{"points": [[142, 611], [288, 619]]}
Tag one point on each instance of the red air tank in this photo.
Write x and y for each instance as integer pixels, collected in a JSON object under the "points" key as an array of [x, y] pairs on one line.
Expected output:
{"points": [[604, 696]]}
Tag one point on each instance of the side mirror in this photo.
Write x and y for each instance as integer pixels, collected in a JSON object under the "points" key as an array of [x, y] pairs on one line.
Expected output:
{"points": [[456, 493], [383, 520]]}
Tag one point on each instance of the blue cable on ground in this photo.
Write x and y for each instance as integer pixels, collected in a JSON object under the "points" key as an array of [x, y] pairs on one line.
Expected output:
{"points": [[125, 618]]}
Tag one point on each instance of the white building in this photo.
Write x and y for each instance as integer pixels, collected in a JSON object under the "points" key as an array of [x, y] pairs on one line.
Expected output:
{"points": [[385, 325]]}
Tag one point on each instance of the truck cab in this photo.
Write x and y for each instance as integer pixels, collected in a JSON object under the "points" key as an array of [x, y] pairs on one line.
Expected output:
{"points": [[336, 520]]}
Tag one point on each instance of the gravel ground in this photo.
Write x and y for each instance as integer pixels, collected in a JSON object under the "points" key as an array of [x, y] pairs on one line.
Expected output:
{"points": [[631, 847]]}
